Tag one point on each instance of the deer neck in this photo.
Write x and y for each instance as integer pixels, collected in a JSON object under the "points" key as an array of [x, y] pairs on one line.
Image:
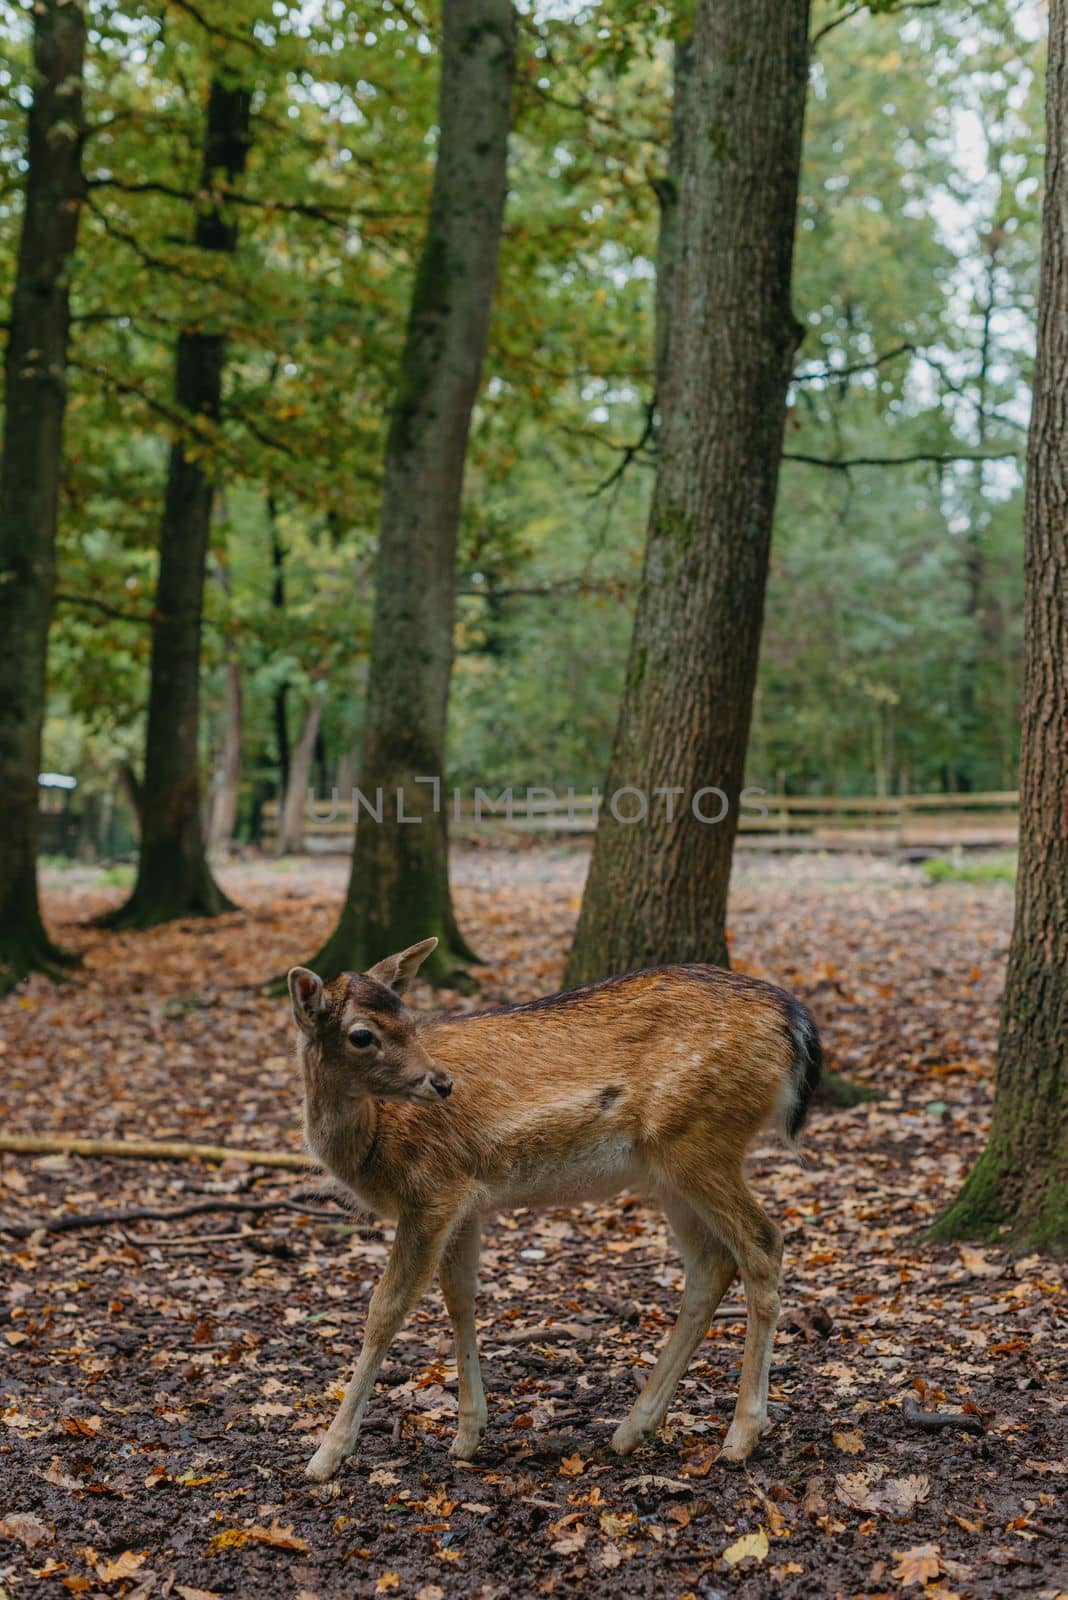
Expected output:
{"points": [[342, 1134]]}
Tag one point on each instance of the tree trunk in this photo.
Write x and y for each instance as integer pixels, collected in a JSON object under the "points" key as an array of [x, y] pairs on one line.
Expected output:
{"points": [[278, 603], [173, 878], [227, 777], [399, 890], [1019, 1185], [294, 808], [657, 888], [35, 398]]}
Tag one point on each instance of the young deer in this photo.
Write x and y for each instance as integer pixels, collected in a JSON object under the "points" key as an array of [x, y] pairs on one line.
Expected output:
{"points": [[656, 1082]]}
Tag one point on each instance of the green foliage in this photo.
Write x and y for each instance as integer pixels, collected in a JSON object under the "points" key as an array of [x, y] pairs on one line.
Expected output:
{"points": [[988, 869], [892, 637]]}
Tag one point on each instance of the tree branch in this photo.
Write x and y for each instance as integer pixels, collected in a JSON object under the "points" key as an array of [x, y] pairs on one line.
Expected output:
{"points": [[853, 11], [553, 586], [630, 451], [335, 216], [90, 602], [935, 458]]}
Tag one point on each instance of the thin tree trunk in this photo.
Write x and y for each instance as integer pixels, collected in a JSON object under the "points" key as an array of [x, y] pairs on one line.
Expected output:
{"points": [[399, 890], [657, 888], [1019, 1185], [294, 809], [227, 777], [174, 879], [278, 603], [35, 370], [129, 787]]}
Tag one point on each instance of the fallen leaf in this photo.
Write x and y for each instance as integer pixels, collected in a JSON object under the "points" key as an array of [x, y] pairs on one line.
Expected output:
{"points": [[851, 1444], [87, 1427], [387, 1580], [975, 1263], [26, 1528], [918, 1564], [750, 1545], [196, 1594], [276, 1535], [123, 1566], [572, 1466]]}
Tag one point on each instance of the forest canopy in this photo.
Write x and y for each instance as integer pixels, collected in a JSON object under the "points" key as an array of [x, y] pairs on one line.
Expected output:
{"points": [[892, 641]]}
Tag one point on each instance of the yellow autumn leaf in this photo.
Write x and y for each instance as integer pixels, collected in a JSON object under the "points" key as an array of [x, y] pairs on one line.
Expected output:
{"points": [[851, 1444], [754, 1545], [228, 1539], [388, 1580]]}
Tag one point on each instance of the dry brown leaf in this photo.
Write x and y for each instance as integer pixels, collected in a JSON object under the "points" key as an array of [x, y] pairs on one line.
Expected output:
{"points": [[975, 1263], [123, 1566], [917, 1565], [572, 1466], [195, 1594], [851, 1444], [26, 1528]]}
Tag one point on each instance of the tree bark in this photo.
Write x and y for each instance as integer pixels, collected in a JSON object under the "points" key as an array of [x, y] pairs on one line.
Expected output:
{"points": [[173, 878], [280, 696], [399, 890], [227, 777], [294, 808], [1019, 1185], [35, 370], [657, 888]]}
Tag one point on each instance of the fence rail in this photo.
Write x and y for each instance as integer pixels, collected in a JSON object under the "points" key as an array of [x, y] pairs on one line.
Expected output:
{"points": [[793, 822]]}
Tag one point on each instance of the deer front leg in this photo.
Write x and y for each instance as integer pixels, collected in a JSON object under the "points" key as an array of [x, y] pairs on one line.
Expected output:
{"points": [[458, 1274], [408, 1272]]}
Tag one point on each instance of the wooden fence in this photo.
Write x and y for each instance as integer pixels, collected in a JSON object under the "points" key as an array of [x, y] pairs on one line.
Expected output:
{"points": [[793, 822]]}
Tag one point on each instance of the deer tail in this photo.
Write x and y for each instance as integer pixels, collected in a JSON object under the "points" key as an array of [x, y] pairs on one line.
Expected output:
{"points": [[806, 1064]]}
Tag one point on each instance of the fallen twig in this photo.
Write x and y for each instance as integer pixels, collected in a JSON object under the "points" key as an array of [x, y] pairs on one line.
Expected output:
{"points": [[151, 1150], [70, 1221], [932, 1421]]}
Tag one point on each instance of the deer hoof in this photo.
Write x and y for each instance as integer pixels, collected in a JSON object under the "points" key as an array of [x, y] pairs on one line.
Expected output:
{"points": [[325, 1462], [740, 1442], [627, 1437], [466, 1444]]}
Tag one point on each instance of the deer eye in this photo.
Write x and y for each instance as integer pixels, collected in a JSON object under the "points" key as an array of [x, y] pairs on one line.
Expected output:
{"points": [[360, 1038]]}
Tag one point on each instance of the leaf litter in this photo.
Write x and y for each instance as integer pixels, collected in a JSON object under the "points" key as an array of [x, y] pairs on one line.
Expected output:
{"points": [[164, 1381]]}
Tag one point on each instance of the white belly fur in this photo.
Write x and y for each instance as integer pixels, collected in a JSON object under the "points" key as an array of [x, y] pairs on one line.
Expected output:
{"points": [[601, 1170]]}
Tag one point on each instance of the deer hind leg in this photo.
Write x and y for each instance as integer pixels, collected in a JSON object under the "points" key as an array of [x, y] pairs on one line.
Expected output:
{"points": [[408, 1272], [735, 1216], [710, 1270], [458, 1274]]}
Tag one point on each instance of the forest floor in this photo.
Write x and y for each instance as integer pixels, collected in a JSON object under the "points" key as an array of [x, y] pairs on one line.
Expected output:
{"points": [[163, 1381]]}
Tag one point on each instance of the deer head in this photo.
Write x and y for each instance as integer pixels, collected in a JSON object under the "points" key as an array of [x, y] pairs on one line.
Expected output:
{"points": [[357, 1029]]}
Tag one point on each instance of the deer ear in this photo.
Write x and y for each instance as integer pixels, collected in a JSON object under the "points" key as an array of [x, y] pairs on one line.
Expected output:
{"points": [[397, 972], [306, 993]]}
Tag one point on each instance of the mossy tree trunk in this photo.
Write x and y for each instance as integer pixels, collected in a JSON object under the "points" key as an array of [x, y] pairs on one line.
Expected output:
{"points": [[657, 887], [1019, 1185], [173, 876], [398, 890], [35, 372]]}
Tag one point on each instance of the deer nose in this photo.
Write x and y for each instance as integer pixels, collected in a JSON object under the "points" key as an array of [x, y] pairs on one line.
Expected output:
{"points": [[441, 1085]]}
